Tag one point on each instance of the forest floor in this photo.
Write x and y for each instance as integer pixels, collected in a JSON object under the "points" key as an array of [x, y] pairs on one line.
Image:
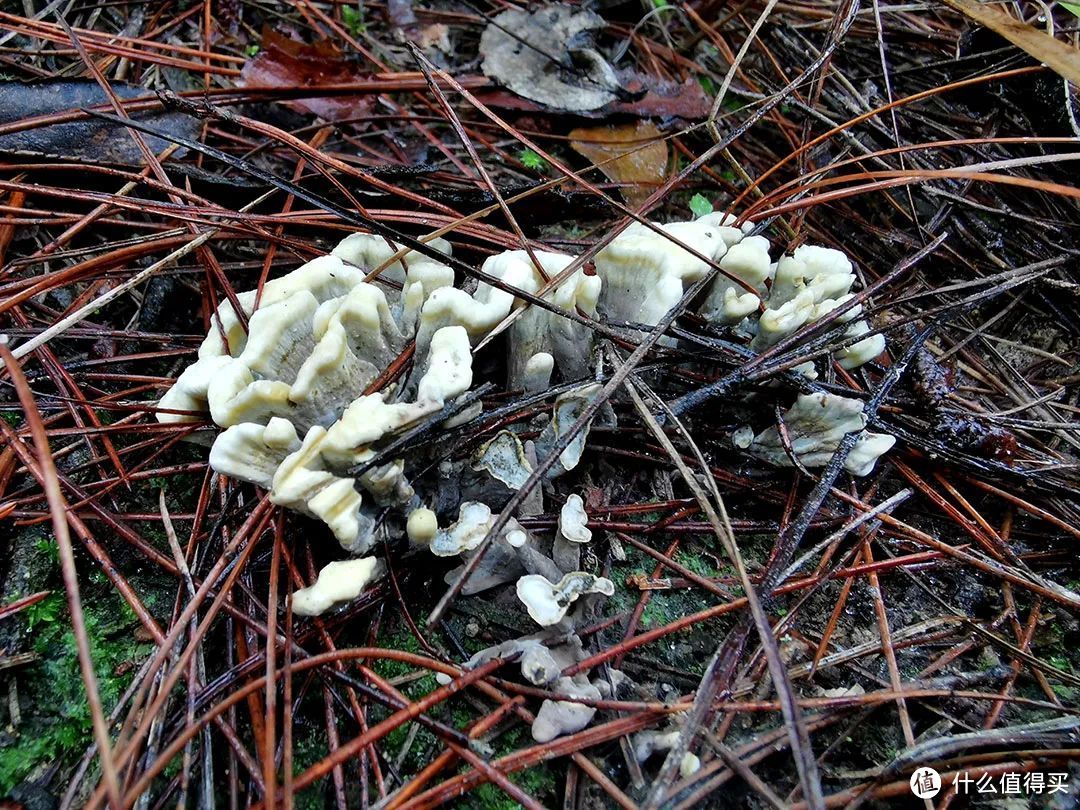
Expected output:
{"points": [[923, 615]]}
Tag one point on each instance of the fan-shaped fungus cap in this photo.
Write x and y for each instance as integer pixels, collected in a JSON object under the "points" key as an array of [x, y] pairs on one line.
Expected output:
{"points": [[558, 717], [466, 533], [816, 424], [573, 521], [337, 583], [547, 602]]}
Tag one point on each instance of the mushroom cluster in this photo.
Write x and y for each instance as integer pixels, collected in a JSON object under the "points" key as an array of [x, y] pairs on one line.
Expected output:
{"points": [[644, 275], [290, 388], [556, 596], [296, 374]]}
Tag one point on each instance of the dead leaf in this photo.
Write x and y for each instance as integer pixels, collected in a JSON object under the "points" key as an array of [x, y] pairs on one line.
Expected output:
{"points": [[87, 140], [548, 56], [663, 99], [640, 156], [286, 63], [1061, 58]]}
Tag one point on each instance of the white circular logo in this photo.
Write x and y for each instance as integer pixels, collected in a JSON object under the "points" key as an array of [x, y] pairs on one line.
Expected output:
{"points": [[926, 783]]}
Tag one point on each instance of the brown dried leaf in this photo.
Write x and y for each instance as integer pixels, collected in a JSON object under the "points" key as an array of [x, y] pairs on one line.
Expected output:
{"points": [[287, 64], [650, 98], [639, 151], [1061, 58], [89, 140]]}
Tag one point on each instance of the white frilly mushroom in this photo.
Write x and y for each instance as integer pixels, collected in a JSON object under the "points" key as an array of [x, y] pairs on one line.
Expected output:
{"points": [[644, 276], [644, 272], [296, 475], [309, 477], [537, 331], [288, 385], [189, 392], [338, 583], [728, 302], [816, 424], [322, 334], [466, 533], [548, 602], [325, 277], [807, 285], [541, 663], [573, 532], [573, 520], [368, 250]]}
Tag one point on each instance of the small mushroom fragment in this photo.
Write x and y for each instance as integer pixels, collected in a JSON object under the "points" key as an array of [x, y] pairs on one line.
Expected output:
{"points": [[421, 526], [816, 424], [338, 582], [689, 765], [647, 743], [536, 376], [572, 534], [728, 302], [568, 409], [573, 521], [500, 564], [540, 664], [559, 717], [548, 602], [510, 555], [651, 741]]}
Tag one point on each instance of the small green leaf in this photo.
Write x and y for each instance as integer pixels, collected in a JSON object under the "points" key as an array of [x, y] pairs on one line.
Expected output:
{"points": [[251, 50], [700, 206], [1073, 8], [530, 160], [353, 18]]}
